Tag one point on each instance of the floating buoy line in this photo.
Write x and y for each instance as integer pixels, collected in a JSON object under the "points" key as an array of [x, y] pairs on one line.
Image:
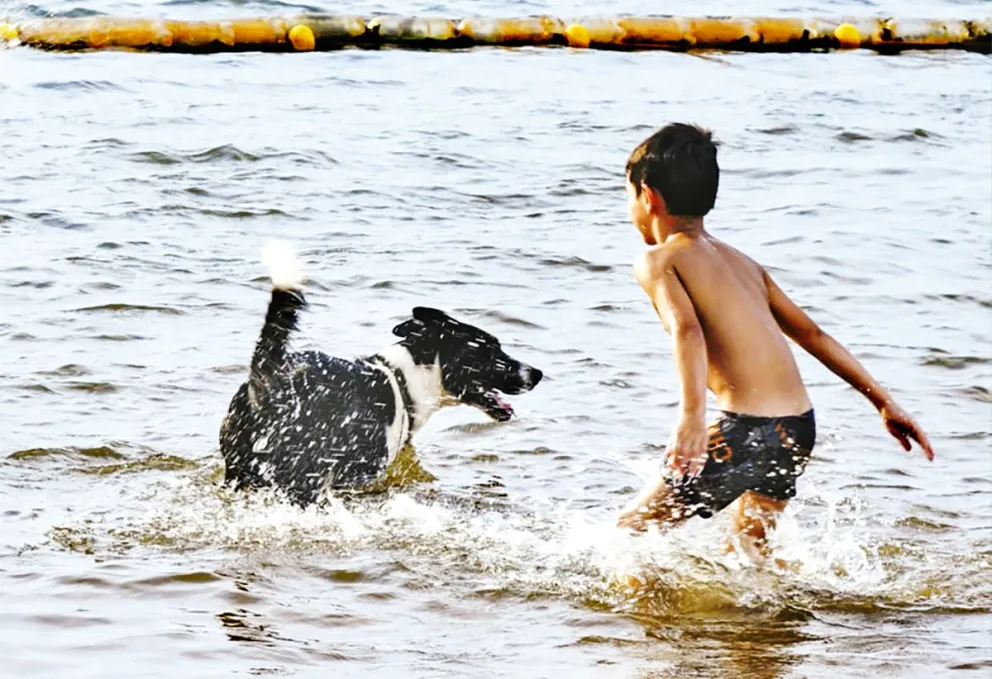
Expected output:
{"points": [[325, 32]]}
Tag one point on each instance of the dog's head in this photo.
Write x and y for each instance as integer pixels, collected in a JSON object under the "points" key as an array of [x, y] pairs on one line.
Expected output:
{"points": [[474, 367]]}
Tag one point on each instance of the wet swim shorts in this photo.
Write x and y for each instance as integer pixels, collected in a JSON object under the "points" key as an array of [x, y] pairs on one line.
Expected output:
{"points": [[746, 452]]}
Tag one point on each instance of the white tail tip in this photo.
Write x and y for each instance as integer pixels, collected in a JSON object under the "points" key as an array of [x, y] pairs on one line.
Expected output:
{"points": [[284, 268]]}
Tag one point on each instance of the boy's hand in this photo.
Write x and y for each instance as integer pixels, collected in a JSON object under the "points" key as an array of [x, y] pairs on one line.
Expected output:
{"points": [[686, 452], [901, 425]]}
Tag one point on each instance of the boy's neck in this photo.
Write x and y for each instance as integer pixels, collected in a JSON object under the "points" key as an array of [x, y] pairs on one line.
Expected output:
{"points": [[668, 226]]}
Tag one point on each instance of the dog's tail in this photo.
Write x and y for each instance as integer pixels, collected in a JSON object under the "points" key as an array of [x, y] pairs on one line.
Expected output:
{"points": [[281, 318]]}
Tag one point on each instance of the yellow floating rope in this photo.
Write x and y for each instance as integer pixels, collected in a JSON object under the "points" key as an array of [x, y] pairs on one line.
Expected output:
{"points": [[327, 32]]}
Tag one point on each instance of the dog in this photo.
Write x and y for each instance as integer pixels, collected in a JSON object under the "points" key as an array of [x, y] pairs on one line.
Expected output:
{"points": [[310, 424]]}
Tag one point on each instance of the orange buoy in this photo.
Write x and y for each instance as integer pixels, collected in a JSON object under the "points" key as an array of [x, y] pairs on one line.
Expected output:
{"points": [[848, 36], [578, 36], [302, 38]]}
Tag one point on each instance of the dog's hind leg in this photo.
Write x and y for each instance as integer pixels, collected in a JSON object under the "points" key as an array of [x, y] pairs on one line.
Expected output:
{"points": [[280, 319]]}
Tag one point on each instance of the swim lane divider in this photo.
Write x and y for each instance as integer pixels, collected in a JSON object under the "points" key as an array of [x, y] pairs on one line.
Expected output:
{"points": [[321, 32]]}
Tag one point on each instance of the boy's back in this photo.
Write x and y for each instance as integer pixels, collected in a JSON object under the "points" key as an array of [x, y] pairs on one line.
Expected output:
{"points": [[751, 368]]}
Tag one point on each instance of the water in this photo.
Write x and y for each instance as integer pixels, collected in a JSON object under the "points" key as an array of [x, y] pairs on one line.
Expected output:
{"points": [[137, 190]]}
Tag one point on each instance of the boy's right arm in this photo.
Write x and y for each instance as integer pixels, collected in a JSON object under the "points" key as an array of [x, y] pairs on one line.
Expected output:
{"points": [[804, 331]]}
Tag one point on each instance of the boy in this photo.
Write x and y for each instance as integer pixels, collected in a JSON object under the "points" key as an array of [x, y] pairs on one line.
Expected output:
{"points": [[728, 321]]}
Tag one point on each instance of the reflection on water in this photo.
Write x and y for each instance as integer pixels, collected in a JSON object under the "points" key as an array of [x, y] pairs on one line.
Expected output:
{"points": [[754, 645]]}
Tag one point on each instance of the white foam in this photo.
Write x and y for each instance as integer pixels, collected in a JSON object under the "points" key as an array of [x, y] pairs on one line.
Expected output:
{"points": [[283, 265], [572, 551]]}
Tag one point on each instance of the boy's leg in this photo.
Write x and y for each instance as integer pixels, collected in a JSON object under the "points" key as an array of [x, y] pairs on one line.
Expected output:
{"points": [[757, 515], [667, 502], [657, 503]]}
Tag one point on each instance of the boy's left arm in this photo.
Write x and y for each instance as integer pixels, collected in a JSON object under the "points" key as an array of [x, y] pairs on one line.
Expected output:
{"points": [[656, 272], [806, 333]]}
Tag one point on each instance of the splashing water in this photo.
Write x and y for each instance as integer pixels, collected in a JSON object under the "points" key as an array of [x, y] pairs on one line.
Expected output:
{"points": [[823, 561]]}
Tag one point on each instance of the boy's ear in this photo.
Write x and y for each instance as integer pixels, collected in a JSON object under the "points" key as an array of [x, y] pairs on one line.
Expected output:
{"points": [[655, 203]]}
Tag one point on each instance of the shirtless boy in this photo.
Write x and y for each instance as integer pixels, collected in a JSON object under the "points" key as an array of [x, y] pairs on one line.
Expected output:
{"points": [[728, 321]]}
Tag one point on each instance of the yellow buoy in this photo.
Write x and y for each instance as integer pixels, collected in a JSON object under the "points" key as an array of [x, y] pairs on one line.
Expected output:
{"points": [[302, 38], [848, 36], [8, 32], [578, 36]]}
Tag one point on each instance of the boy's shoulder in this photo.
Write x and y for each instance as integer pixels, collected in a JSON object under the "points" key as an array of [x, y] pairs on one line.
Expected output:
{"points": [[649, 265], [689, 257], [652, 263]]}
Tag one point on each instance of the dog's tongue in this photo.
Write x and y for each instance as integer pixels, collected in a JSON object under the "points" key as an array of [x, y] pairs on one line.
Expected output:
{"points": [[496, 403], [503, 404]]}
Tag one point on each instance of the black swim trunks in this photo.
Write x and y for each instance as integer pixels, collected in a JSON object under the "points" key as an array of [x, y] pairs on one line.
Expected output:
{"points": [[746, 452]]}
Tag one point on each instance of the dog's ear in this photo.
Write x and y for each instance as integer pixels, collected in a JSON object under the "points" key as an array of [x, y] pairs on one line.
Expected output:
{"points": [[407, 328], [430, 316]]}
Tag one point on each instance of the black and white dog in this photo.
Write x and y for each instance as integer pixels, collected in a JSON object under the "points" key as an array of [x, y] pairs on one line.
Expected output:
{"points": [[308, 423]]}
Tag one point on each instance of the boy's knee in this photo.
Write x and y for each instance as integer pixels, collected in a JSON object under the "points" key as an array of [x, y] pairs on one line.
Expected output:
{"points": [[757, 514], [656, 505]]}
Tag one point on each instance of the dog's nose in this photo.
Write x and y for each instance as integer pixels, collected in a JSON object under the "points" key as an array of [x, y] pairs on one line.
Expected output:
{"points": [[531, 376]]}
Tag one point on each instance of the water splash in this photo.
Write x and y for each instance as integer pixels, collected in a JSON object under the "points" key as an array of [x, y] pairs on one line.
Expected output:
{"points": [[824, 560]]}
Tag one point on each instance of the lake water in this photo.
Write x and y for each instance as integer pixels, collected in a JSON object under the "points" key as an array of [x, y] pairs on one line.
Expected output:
{"points": [[137, 189]]}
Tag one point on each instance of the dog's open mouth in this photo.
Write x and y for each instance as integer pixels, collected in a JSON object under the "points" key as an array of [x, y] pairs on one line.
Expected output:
{"points": [[493, 405]]}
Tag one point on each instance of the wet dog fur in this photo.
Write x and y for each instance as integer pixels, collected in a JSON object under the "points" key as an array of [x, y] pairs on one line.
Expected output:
{"points": [[308, 423]]}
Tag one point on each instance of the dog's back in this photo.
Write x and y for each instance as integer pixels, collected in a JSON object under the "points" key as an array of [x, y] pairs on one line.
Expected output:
{"points": [[304, 421], [318, 425]]}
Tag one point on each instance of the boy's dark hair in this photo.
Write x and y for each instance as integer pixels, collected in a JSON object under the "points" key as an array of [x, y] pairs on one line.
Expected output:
{"points": [[679, 162]]}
